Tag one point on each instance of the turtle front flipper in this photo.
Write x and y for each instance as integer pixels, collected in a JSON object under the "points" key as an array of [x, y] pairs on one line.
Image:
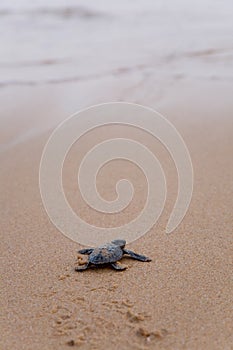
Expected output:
{"points": [[118, 266], [82, 267], [136, 256], [86, 251]]}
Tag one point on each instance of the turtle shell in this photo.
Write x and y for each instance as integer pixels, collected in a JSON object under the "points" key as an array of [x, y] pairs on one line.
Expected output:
{"points": [[105, 254]]}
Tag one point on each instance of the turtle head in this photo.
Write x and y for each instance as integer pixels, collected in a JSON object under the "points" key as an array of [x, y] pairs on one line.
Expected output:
{"points": [[119, 242]]}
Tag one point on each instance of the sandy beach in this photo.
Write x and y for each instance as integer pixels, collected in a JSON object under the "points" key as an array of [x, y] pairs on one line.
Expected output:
{"points": [[182, 299]]}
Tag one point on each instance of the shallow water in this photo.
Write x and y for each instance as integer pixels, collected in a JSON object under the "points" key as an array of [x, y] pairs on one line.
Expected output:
{"points": [[72, 41], [60, 57]]}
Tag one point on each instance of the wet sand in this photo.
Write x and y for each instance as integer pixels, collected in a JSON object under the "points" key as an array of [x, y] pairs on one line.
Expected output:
{"points": [[181, 300]]}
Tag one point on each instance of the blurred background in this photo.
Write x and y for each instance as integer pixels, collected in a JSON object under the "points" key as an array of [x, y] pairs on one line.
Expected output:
{"points": [[59, 56]]}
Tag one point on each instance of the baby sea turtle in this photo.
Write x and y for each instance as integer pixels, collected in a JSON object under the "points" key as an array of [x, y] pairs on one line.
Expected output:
{"points": [[109, 253]]}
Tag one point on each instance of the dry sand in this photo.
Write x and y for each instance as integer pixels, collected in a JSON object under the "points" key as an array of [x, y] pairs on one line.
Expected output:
{"points": [[181, 300]]}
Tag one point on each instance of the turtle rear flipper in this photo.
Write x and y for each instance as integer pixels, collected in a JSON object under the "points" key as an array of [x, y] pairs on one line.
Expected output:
{"points": [[136, 256], [118, 266], [82, 267]]}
